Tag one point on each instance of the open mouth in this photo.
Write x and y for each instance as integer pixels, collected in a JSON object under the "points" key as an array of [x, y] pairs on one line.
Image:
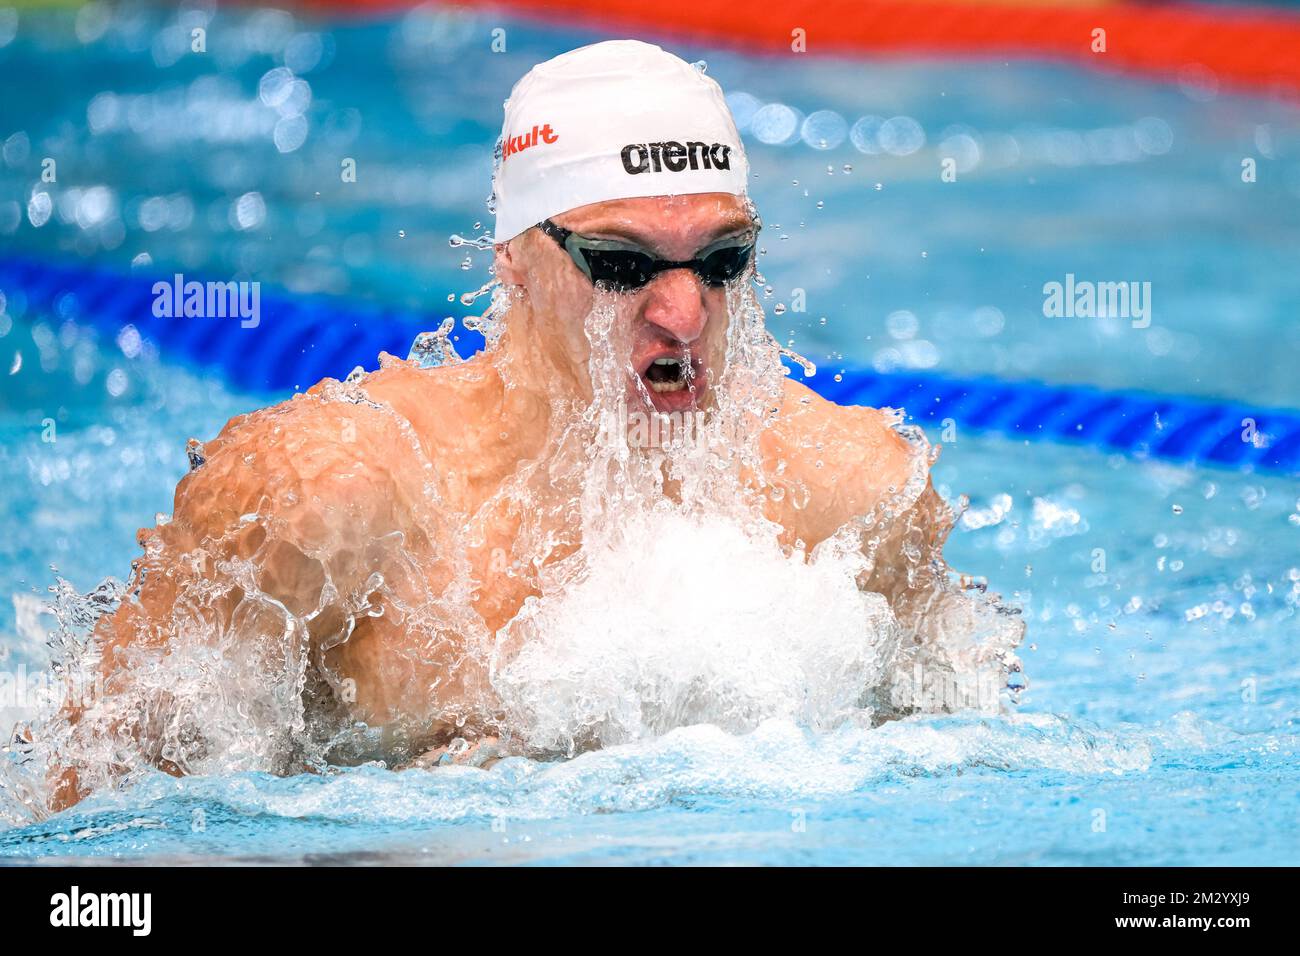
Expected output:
{"points": [[667, 375]]}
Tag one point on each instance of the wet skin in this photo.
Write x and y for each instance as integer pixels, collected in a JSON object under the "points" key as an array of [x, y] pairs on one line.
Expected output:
{"points": [[333, 483]]}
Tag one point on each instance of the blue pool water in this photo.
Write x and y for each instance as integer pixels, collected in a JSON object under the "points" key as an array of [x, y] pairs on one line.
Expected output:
{"points": [[1160, 725]]}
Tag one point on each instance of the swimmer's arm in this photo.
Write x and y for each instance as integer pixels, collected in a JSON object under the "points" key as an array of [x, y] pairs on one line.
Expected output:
{"points": [[295, 494], [948, 628], [945, 628], [907, 562], [877, 468], [206, 531]]}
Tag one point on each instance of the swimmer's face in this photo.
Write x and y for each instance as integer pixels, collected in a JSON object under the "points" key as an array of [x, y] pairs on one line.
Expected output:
{"points": [[676, 324]]}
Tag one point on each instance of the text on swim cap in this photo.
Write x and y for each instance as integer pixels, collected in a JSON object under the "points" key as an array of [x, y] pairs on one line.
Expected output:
{"points": [[674, 157], [516, 143]]}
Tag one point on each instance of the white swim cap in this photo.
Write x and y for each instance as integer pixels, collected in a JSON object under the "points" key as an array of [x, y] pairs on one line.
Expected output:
{"points": [[612, 120]]}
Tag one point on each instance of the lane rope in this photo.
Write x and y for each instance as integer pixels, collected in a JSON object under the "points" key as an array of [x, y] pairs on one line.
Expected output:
{"points": [[1248, 46], [302, 339]]}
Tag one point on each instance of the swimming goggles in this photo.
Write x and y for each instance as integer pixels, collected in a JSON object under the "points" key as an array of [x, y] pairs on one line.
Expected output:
{"points": [[625, 267]]}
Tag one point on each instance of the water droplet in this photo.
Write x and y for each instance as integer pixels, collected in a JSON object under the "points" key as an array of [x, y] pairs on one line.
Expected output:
{"points": [[809, 369], [469, 298], [484, 242]]}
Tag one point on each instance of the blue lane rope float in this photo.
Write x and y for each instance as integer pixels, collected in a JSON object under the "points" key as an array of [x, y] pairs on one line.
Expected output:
{"points": [[302, 339], [297, 341]]}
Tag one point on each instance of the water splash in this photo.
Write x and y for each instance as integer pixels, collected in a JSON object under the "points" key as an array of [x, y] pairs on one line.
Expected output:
{"points": [[498, 154], [484, 242], [699, 648], [435, 349], [809, 367]]}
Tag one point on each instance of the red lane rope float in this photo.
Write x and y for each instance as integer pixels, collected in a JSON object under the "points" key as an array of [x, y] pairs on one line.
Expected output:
{"points": [[1252, 47]]}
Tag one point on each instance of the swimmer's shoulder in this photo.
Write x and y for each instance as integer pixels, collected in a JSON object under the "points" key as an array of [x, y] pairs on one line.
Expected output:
{"points": [[344, 449], [852, 450], [319, 454], [434, 399], [848, 434]]}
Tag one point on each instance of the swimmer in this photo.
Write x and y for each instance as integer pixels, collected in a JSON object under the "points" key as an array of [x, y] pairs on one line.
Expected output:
{"points": [[385, 520]]}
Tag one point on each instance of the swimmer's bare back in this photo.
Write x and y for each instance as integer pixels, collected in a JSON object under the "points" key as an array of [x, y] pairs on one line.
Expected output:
{"points": [[402, 478]]}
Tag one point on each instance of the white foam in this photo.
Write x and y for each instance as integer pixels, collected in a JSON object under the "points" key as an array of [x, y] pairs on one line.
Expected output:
{"points": [[691, 619]]}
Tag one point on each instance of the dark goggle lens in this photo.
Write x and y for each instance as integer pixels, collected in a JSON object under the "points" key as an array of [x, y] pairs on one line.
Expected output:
{"points": [[620, 268], [626, 269], [723, 265]]}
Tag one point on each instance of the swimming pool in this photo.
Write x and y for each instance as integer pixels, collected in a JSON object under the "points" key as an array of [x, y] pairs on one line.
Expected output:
{"points": [[1160, 722]]}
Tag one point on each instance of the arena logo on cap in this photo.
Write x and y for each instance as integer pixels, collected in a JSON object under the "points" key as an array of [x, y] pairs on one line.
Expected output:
{"points": [[674, 157], [542, 133]]}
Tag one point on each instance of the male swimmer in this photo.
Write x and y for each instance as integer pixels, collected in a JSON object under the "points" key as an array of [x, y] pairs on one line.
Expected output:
{"points": [[361, 539]]}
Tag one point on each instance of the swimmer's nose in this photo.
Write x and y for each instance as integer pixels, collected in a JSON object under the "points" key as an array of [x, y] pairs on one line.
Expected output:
{"points": [[675, 303]]}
